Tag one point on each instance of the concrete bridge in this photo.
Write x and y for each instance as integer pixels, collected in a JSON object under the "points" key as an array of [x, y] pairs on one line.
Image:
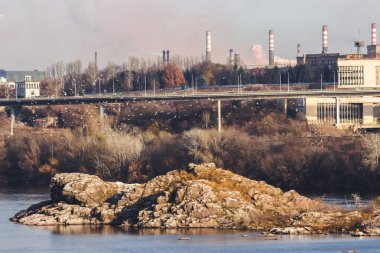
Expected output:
{"points": [[185, 96], [352, 104]]}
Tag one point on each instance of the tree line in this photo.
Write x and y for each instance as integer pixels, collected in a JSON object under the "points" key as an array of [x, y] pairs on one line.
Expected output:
{"points": [[140, 74]]}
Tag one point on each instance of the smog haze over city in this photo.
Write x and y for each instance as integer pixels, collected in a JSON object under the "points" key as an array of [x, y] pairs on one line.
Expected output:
{"points": [[36, 33], [208, 126]]}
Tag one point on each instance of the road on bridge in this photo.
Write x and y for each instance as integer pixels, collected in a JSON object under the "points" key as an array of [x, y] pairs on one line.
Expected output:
{"points": [[181, 96]]}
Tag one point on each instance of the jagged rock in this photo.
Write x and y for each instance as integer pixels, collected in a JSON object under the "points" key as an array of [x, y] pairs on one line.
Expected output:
{"points": [[202, 196], [82, 189]]}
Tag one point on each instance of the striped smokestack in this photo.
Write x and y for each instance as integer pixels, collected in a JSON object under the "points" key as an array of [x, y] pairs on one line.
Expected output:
{"points": [[167, 56], [374, 34], [298, 50], [271, 48], [325, 39], [208, 46]]}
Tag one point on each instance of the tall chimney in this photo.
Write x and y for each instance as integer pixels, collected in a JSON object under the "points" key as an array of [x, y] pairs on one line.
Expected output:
{"points": [[298, 50], [164, 57], [374, 34], [167, 56], [237, 59], [208, 46], [325, 39], [271, 48]]}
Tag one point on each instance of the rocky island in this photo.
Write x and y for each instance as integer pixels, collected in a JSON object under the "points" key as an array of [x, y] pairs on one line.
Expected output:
{"points": [[201, 196]]}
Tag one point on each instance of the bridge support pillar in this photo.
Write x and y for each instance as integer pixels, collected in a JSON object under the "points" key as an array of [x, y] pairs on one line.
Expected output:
{"points": [[12, 120], [219, 116], [101, 117], [337, 108], [286, 106]]}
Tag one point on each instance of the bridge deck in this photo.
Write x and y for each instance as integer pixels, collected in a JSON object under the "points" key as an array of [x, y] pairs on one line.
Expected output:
{"points": [[122, 98]]}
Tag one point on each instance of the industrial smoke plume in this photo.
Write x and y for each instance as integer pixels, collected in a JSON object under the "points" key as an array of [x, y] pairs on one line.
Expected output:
{"points": [[259, 58]]}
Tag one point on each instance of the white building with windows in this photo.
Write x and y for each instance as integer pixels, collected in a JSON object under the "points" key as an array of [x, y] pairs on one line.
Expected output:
{"points": [[27, 88], [355, 71], [358, 73]]}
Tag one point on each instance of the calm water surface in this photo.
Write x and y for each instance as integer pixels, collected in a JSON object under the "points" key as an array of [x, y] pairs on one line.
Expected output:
{"points": [[19, 238]]}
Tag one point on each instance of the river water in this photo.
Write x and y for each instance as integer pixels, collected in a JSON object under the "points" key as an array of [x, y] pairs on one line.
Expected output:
{"points": [[19, 238]]}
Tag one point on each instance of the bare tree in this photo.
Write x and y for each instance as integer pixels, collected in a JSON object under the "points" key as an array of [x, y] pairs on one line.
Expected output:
{"points": [[92, 72], [122, 149], [134, 63], [56, 73], [371, 153], [206, 118], [73, 73], [110, 74]]}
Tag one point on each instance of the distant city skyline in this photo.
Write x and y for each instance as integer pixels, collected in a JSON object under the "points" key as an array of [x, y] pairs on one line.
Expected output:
{"points": [[37, 33]]}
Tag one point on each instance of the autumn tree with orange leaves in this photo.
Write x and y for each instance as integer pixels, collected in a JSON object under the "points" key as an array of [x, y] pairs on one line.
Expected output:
{"points": [[172, 76]]}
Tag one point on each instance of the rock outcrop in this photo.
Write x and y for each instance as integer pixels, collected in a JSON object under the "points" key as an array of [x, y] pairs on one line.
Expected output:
{"points": [[202, 196]]}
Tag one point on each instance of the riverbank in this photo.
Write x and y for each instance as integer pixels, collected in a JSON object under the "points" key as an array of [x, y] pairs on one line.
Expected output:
{"points": [[202, 196]]}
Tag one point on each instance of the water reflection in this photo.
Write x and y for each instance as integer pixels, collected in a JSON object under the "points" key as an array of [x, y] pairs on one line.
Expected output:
{"points": [[114, 230]]}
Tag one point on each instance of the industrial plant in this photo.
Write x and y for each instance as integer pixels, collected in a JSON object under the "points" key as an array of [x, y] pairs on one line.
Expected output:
{"points": [[356, 71]]}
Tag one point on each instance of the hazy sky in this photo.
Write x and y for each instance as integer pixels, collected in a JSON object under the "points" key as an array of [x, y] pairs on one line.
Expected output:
{"points": [[36, 33]]}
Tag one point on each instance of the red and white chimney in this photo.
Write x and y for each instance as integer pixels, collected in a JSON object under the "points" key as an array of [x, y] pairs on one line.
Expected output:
{"points": [[325, 40], [374, 34]]}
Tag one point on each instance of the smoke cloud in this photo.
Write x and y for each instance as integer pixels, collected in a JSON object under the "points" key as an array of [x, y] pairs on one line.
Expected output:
{"points": [[283, 61], [260, 58], [37, 33]]}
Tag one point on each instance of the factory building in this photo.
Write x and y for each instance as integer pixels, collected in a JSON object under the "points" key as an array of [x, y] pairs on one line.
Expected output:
{"points": [[27, 88], [18, 76], [354, 71], [361, 70], [323, 59]]}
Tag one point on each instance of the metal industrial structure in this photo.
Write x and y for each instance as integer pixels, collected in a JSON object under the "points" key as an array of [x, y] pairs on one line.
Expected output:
{"points": [[323, 59], [354, 71], [18, 76], [325, 39], [271, 48], [165, 57], [208, 46]]}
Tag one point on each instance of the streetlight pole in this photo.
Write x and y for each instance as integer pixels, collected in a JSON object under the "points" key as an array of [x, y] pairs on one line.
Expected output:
{"points": [[288, 82], [280, 82], [75, 87], [321, 81], [154, 86], [192, 83], [113, 85], [196, 85], [100, 87], [145, 85], [334, 80]]}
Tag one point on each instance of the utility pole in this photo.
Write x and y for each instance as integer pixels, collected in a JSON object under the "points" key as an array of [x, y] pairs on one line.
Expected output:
{"points": [[100, 87], [75, 87], [280, 81], [288, 82], [219, 116], [113, 85], [241, 84], [192, 83], [154, 86], [321, 81], [145, 84], [334, 80]]}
